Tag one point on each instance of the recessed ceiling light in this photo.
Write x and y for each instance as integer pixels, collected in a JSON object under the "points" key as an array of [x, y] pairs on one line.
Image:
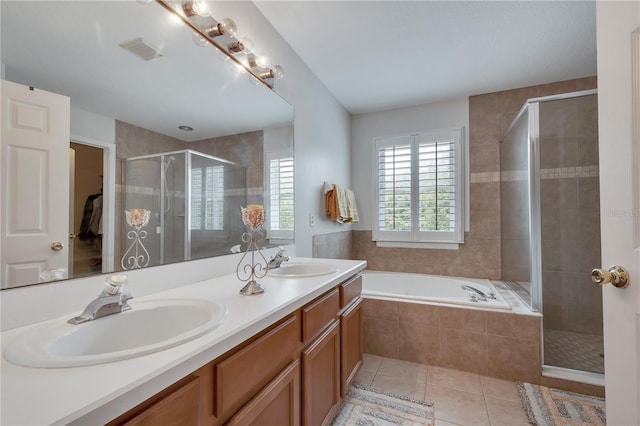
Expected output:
{"points": [[185, 128]]}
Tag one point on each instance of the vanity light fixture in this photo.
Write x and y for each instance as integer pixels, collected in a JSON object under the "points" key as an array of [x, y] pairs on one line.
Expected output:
{"points": [[195, 7], [222, 35]]}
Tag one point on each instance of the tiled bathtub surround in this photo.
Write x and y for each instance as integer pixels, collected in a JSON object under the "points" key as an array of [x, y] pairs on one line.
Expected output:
{"points": [[494, 344]]}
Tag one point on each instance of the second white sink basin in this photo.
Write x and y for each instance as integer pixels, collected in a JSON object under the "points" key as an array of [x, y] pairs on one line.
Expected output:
{"points": [[303, 269], [150, 326]]}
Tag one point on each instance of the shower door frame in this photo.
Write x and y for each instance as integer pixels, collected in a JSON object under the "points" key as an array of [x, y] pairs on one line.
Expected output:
{"points": [[532, 106]]}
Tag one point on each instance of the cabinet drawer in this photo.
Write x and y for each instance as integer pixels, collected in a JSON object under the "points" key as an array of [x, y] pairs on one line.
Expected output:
{"points": [[319, 314], [277, 404], [180, 407], [239, 377], [350, 290]]}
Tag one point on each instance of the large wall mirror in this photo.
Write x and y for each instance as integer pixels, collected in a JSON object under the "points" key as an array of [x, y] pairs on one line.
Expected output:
{"points": [[195, 139]]}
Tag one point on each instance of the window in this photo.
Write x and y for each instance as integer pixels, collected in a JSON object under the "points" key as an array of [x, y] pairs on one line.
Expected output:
{"points": [[207, 198], [280, 208], [419, 189]]}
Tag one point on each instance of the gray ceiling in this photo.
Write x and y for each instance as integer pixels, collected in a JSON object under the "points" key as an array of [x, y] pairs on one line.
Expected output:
{"points": [[379, 55]]}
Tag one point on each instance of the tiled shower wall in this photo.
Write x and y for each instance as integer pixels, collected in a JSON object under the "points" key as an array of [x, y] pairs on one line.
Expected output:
{"points": [[489, 117], [570, 214]]}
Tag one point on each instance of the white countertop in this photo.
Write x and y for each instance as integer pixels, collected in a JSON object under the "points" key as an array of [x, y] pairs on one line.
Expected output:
{"points": [[96, 394]]}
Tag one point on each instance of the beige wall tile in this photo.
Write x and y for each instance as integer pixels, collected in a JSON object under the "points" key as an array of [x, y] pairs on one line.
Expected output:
{"points": [[380, 337], [587, 83], [417, 343], [513, 359], [464, 350], [524, 327], [464, 319], [485, 118], [426, 316], [380, 309]]}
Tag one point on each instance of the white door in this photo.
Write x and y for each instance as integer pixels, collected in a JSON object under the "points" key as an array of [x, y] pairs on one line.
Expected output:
{"points": [[619, 201], [34, 180]]}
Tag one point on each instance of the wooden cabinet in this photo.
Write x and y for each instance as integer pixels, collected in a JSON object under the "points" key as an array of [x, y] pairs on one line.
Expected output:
{"points": [[294, 372], [321, 378]]}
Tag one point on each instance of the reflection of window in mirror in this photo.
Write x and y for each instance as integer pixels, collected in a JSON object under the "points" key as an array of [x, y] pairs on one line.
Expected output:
{"points": [[280, 195], [207, 205]]}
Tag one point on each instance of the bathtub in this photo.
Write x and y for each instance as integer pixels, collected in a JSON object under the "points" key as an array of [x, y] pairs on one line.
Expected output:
{"points": [[420, 288]]}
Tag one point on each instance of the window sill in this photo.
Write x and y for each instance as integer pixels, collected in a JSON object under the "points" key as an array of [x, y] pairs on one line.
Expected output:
{"points": [[407, 244]]}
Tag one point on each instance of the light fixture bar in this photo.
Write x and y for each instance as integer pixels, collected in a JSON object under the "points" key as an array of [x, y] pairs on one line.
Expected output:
{"points": [[217, 45]]}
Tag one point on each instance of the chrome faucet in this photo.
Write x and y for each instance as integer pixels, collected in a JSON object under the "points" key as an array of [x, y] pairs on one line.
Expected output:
{"points": [[476, 294], [111, 301], [277, 260]]}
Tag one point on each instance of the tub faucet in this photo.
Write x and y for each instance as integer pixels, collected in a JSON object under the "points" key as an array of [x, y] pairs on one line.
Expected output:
{"points": [[111, 301], [277, 260], [476, 294]]}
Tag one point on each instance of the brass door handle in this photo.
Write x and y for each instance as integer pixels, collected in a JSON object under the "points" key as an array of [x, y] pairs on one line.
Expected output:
{"points": [[616, 275], [57, 246]]}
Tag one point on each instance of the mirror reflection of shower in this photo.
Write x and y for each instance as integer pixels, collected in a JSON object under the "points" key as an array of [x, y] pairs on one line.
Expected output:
{"points": [[166, 162], [194, 199]]}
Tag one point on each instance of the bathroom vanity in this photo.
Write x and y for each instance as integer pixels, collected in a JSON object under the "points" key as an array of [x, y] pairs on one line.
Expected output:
{"points": [[288, 356]]}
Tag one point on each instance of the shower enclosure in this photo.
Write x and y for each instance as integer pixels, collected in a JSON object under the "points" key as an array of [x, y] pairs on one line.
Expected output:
{"points": [[550, 227], [193, 200]]}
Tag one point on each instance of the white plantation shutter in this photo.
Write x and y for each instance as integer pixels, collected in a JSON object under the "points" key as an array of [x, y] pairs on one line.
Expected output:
{"points": [[207, 200], [419, 188], [281, 199], [394, 186], [437, 185]]}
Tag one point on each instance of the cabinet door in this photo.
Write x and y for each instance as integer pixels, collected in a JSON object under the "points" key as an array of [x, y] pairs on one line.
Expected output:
{"points": [[321, 378], [277, 404], [351, 344], [180, 407]]}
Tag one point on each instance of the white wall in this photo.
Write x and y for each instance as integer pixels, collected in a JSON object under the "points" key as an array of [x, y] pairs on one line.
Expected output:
{"points": [[366, 127], [322, 125]]}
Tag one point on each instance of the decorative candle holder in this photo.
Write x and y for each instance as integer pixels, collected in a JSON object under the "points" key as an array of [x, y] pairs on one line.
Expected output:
{"points": [[253, 218], [136, 255]]}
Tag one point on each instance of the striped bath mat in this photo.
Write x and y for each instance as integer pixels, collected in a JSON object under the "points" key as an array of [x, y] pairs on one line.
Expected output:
{"points": [[554, 407], [371, 407]]}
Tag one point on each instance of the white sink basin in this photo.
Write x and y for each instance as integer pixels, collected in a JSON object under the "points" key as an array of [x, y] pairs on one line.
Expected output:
{"points": [[150, 326], [302, 269]]}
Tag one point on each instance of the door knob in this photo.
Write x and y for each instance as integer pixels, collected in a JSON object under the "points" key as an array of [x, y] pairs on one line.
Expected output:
{"points": [[57, 246], [616, 275]]}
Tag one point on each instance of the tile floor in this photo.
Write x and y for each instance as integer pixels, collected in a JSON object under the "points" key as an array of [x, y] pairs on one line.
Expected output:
{"points": [[459, 398]]}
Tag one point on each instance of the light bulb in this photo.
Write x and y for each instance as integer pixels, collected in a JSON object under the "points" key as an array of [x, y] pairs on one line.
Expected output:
{"points": [[199, 40], [228, 27], [278, 72], [195, 7], [261, 60]]}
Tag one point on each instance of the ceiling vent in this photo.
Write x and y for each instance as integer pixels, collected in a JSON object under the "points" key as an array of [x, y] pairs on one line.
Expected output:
{"points": [[142, 49]]}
